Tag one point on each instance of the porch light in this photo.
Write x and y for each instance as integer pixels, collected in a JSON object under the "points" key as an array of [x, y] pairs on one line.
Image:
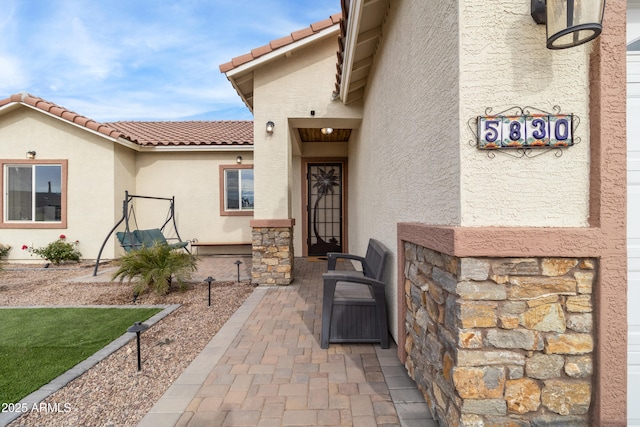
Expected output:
{"points": [[569, 22], [326, 131], [270, 126], [239, 160], [31, 155]]}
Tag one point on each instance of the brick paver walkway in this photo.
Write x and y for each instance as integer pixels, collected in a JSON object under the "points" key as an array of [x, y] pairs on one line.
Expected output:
{"points": [[266, 368]]}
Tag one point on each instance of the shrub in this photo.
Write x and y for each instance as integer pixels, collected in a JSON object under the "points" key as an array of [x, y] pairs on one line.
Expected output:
{"points": [[57, 251], [155, 267], [4, 251]]}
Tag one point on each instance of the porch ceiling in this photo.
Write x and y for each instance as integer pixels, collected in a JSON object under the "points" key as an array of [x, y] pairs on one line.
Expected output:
{"points": [[361, 32], [316, 135]]}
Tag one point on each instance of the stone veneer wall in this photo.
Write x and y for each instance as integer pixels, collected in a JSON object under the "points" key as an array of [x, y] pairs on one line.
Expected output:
{"points": [[272, 255], [500, 341]]}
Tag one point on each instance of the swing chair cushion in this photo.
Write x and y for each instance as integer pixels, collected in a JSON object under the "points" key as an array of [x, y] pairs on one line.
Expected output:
{"points": [[139, 238], [128, 240], [150, 237]]}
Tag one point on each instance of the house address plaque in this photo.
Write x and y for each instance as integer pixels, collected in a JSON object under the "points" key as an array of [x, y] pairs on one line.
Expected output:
{"points": [[525, 129]]}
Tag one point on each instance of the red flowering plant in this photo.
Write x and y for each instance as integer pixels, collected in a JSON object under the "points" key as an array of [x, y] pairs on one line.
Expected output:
{"points": [[57, 251]]}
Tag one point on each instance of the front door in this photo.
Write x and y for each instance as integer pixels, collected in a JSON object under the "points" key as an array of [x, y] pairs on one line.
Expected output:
{"points": [[325, 189]]}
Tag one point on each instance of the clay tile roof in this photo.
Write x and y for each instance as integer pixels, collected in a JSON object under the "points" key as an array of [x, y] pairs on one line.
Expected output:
{"points": [[238, 132], [281, 42], [229, 132], [56, 110]]}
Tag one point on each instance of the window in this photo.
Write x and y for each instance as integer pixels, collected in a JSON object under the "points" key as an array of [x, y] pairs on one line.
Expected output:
{"points": [[34, 194], [236, 190]]}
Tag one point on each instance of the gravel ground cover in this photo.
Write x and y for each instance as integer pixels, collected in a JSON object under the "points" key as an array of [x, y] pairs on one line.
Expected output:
{"points": [[114, 392]]}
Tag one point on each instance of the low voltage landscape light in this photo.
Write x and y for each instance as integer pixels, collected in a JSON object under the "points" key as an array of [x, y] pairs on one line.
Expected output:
{"points": [[237, 263], [569, 22], [138, 327], [209, 280], [270, 126]]}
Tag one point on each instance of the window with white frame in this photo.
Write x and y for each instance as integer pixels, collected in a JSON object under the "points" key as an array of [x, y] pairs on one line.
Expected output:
{"points": [[33, 193], [237, 190]]}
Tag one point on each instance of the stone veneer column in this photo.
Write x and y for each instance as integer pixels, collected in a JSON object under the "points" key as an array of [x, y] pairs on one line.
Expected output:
{"points": [[272, 252], [500, 341]]}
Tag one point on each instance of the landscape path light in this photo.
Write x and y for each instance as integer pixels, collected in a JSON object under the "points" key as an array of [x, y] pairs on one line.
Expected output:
{"points": [[138, 327], [209, 280]]}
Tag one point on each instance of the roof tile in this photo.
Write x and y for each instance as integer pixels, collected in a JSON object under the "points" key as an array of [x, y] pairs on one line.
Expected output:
{"points": [[238, 132], [281, 42]]}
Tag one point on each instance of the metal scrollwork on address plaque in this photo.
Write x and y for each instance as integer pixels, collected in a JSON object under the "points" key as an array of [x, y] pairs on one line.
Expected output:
{"points": [[524, 131]]}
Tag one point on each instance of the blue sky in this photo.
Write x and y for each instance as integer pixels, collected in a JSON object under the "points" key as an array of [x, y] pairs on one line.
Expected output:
{"points": [[115, 60]]}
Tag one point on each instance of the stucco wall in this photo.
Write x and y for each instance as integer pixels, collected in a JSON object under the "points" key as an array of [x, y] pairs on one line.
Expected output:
{"points": [[404, 163], [194, 179], [290, 88], [504, 62], [90, 179]]}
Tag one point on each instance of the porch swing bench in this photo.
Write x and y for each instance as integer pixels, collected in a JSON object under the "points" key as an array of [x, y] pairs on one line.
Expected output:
{"points": [[145, 238]]}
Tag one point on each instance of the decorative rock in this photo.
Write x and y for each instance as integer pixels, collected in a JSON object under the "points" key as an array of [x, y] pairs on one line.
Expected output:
{"points": [[578, 366], [566, 398], [479, 383], [569, 344], [485, 358], [520, 338], [558, 421], [446, 280], [508, 321], [579, 304], [547, 299], [471, 420], [479, 291], [515, 372], [587, 264], [470, 338], [543, 366], [478, 314], [585, 281], [557, 266], [484, 406], [522, 396], [534, 287], [516, 266], [512, 307], [580, 322], [473, 269], [545, 318]]}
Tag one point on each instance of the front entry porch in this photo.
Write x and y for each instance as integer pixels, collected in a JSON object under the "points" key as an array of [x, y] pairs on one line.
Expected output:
{"points": [[265, 367]]}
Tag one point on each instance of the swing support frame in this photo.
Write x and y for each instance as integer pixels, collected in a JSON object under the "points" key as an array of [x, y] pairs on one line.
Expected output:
{"points": [[126, 209]]}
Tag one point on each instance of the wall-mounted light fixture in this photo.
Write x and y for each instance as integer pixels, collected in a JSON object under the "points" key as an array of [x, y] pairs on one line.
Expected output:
{"points": [[239, 160], [31, 155], [270, 126], [326, 131], [569, 22]]}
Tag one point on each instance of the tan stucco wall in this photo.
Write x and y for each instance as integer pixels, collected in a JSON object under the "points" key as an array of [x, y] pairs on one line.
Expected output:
{"points": [[404, 163], [91, 178], [285, 92], [194, 179], [503, 63]]}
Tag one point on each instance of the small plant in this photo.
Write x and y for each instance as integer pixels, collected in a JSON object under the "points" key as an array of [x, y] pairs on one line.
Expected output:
{"points": [[4, 251], [57, 251], [155, 267]]}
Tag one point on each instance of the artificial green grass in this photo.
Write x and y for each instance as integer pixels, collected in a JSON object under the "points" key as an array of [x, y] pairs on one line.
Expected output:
{"points": [[38, 344]]}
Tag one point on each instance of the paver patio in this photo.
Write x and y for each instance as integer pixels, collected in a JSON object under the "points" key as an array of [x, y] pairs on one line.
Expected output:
{"points": [[265, 368]]}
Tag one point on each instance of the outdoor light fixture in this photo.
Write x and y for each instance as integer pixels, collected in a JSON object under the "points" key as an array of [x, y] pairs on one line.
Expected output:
{"points": [[138, 327], [270, 126], [209, 280], [239, 160], [569, 22], [326, 131], [237, 263], [31, 155]]}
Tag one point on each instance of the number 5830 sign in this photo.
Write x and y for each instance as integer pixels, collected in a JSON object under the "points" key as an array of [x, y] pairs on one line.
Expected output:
{"points": [[536, 130]]}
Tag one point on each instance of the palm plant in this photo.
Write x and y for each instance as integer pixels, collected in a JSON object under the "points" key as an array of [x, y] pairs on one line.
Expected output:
{"points": [[155, 267]]}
